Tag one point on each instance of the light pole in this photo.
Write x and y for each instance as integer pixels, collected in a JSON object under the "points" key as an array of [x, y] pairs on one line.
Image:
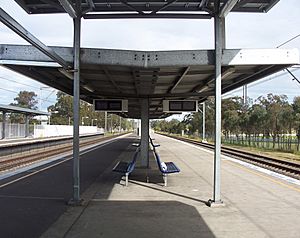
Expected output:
{"points": [[51, 112], [203, 122], [82, 122], [105, 125], [93, 121], [41, 99]]}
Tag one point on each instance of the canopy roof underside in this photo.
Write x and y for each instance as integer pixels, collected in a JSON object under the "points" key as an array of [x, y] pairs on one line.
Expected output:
{"points": [[151, 8], [157, 75], [27, 111]]}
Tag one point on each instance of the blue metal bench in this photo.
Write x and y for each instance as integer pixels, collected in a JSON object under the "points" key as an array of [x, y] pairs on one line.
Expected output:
{"points": [[153, 145], [126, 167], [165, 167]]}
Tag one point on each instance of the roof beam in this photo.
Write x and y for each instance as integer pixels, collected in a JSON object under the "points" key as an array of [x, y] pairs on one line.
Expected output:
{"points": [[53, 4], [148, 15], [158, 59], [136, 82], [108, 75], [260, 73], [26, 35], [131, 7], [69, 8], [91, 6], [163, 7], [229, 5], [206, 85], [91, 3], [271, 4], [203, 3], [180, 79], [23, 5], [98, 94], [242, 3]]}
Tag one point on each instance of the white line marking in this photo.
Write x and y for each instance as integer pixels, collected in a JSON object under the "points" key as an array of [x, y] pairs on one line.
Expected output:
{"points": [[30, 197]]}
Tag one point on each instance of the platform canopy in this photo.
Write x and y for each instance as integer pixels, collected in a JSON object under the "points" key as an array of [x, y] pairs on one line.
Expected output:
{"points": [[145, 78], [107, 9], [27, 111], [157, 75]]}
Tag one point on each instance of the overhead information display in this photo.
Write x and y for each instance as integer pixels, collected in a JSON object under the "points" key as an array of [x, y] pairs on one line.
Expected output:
{"points": [[180, 106], [111, 105]]}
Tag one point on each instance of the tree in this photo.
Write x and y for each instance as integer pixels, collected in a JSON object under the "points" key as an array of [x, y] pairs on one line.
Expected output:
{"points": [[231, 115], [24, 99], [257, 119], [62, 111], [62, 114], [274, 105], [296, 108]]}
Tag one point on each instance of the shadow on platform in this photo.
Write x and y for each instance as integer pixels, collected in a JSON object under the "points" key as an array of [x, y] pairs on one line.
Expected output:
{"points": [[139, 219]]}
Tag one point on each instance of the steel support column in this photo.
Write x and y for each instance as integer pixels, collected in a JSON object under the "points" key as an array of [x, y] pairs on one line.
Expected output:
{"points": [[145, 132], [26, 125], [105, 123], [76, 104], [219, 44], [3, 125]]}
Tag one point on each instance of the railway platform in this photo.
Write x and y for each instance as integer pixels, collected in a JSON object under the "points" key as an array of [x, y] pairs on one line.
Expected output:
{"points": [[256, 204]]}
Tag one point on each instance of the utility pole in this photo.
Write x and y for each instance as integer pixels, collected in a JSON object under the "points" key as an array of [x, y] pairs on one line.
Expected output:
{"points": [[105, 123], [245, 94], [203, 122]]}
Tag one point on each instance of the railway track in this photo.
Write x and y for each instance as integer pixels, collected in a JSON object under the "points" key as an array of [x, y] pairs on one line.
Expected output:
{"points": [[285, 167], [40, 155]]}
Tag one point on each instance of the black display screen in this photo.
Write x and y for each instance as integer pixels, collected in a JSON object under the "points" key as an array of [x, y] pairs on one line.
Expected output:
{"points": [[108, 105], [175, 106], [115, 105], [189, 105], [182, 106]]}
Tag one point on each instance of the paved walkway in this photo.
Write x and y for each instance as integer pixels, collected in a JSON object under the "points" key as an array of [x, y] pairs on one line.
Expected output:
{"points": [[256, 204]]}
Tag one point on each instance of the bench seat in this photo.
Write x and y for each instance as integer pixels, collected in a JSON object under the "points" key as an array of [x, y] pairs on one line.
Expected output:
{"points": [[165, 167], [122, 167], [126, 167], [171, 168]]}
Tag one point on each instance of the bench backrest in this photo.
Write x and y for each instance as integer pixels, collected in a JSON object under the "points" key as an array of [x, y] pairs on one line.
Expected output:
{"points": [[151, 141], [157, 158], [132, 163]]}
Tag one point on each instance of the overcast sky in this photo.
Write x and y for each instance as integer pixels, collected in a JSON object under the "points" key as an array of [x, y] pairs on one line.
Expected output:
{"points": [[252, 30]]}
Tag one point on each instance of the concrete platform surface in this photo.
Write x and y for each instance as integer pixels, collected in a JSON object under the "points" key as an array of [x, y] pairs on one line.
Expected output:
{"points": [[256, 204]]}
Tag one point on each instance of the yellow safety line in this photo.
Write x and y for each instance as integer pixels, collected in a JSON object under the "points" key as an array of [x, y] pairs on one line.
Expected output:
{"points": [[263, 176]]}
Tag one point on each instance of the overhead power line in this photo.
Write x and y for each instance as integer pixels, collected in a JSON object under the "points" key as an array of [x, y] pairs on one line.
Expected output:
{"points": [[15, 92], [293, 38], [11, 80], [8, 90]]}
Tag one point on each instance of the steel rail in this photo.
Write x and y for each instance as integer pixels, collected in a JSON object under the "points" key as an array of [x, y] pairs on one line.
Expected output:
{"points": [[41, 155]]}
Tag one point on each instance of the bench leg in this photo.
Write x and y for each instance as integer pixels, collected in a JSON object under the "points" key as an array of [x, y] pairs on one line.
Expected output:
{"points": [[126, 179], [165, 180]]}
